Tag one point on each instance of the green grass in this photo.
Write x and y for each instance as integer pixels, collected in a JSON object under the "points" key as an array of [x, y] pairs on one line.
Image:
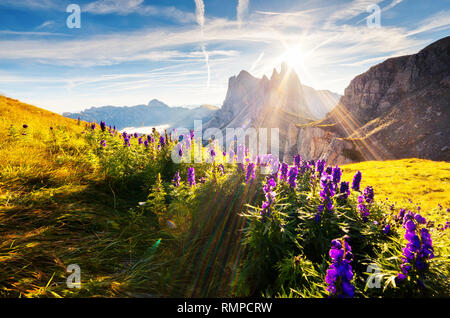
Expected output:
{"points": [[64, 199]]}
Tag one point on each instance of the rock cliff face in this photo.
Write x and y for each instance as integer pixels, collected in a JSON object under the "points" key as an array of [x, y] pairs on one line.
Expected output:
{"points": [[397, 109], [278, 102]]}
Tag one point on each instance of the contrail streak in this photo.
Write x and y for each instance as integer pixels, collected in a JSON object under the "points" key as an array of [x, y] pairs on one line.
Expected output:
{"points": [[241, 10], [200, 16]]}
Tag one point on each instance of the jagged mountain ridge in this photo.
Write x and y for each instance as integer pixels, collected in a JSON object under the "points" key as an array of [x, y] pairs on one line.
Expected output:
{"points": [[397, 109], [154, 114], [279, 102]]}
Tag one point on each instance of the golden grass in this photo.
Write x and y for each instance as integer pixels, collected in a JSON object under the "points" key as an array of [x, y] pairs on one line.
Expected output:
{"points": [[426, 183]]}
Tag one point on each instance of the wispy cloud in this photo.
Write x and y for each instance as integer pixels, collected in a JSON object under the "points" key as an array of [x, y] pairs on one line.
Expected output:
{"points": [[45, 25], [439, 21], [31, 33], [126, 7], [241, 10], [349, 10], [59, 5], [200, 15]]}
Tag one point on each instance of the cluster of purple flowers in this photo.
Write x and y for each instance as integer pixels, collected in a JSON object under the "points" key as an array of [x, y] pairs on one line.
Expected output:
{"points": [[212, 153], [176, 179], [284, 171], [103, 143], [326, 195], [336, 173], [221, 169], [340, 273], [162, 141], [320, 166], [364, 202], [270, 198], [418, 250], [191, 176], [368, 194], [250, 172], [102, 125], [344, 191], [126, 142], [356, 181], [293, 173]]}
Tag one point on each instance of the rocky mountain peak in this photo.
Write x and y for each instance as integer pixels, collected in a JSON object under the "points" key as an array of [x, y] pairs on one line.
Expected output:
{"points": [[157, 103], [397, 109]]}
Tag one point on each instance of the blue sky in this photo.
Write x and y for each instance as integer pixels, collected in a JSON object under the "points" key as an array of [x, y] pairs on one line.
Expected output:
{"points": [[128, 52]]}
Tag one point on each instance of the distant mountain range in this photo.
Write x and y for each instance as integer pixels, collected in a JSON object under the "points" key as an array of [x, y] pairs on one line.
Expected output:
{"points": [[247, 97], [156, 113]]}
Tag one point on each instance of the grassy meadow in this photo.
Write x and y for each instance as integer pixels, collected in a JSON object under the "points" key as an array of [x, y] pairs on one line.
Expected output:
{"points": [[71, 194]]}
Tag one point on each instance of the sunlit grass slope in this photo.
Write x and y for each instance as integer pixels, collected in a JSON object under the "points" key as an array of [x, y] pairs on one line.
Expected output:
{"points": [[426, 183], [71, 193], [56, 209]]}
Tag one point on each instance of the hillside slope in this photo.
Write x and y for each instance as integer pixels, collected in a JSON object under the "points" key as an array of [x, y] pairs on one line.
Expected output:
{"points": [[72, 193]]}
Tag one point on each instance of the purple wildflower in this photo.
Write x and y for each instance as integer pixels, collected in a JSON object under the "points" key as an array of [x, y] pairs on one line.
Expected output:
{"points": [[344, 190], [326, 194], [340, 273], [266, 210], [363, 209], [320, 166], [336, 173], [419, 248], [221, 169], [250, 172], [368, 194], [293, 173], [176, 179], [356, 181], [284, 171], [191, 176]]}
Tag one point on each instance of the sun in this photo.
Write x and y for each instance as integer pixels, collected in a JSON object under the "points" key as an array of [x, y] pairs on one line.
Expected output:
{"points": [[293, 56]]}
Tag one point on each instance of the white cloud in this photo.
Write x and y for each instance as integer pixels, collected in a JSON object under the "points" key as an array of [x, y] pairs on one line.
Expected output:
{"points": [[126, 7], [346, 11], [200, 12], [241, 10], [59, 5], [439, 21]]}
